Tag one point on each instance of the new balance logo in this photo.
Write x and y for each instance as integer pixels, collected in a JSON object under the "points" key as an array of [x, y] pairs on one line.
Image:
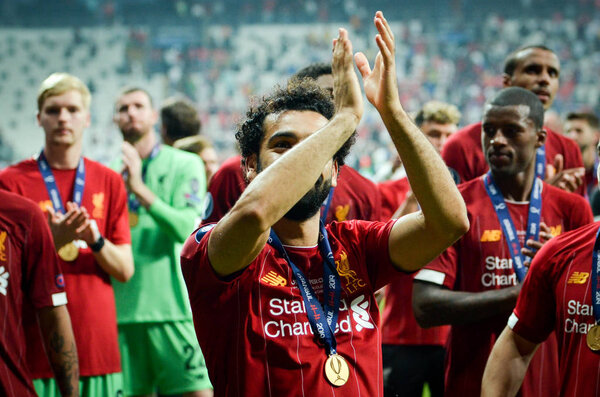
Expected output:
{"points": [[578, 278], [360, 313], [3, 280], [491, 235], [274, 279]]}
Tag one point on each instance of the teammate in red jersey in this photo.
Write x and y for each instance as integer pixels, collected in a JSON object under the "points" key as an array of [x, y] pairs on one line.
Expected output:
{"points": [[30, 275], [584, 128], [535, 68], [475, 283], [413, 356], [87, 212], [239, 271], [355, 197]]}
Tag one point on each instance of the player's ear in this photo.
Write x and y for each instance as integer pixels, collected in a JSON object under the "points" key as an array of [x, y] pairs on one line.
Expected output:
{"points": [[541, 137], [334, 173], [506, 80], [250, 167]]}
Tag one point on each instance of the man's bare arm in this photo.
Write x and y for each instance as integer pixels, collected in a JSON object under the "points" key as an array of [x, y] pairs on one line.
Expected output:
{"points": [[507, 365], [55, 324], [435, 305], [417, 238], [242, 233]]}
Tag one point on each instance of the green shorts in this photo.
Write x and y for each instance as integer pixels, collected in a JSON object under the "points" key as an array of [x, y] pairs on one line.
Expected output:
{"points": [[109, 385], [162, 357]]}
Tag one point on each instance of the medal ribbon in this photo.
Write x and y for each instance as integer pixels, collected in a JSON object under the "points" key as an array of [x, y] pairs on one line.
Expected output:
{"points": [[595, 278], [51, 187], [133, 202], [508, 227], [540, 162], [327, 204], [322, 318]]}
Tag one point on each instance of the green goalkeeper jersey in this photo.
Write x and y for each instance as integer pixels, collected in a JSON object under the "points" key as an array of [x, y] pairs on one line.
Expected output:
{"points": [[157, 292]]}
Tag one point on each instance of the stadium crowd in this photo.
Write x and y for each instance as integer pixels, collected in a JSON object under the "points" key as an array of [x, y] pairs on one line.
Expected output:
{"points": [[447, 248]]}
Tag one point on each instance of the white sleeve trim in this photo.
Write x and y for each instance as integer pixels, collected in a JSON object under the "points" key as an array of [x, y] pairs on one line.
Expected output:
{"points": [[513, 320], [431, 276], [59, 299]]}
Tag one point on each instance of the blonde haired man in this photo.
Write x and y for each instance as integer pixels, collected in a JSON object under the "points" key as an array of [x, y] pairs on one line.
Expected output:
{"points": [[86, 206]]}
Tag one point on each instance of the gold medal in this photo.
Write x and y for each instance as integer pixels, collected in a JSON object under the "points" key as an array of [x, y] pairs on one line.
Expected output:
{"points": [[593, 338], [337, 370], [68, 252], [133, 219]]}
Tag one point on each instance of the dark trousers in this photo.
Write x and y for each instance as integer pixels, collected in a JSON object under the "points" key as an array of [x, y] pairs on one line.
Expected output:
{"points": [[407, 368]]}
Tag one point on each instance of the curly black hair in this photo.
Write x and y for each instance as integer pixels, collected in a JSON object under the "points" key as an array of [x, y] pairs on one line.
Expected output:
{"points": [[298, 94]]}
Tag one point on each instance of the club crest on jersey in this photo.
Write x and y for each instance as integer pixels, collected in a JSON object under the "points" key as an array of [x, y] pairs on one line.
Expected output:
{"points": [[274, 279], [341, 212], [578, 278], [352, 281], [3, 256], [98, 201]]}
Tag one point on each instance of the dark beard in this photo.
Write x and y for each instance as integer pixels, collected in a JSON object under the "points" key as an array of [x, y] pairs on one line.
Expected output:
{"points": [[311, 202]]}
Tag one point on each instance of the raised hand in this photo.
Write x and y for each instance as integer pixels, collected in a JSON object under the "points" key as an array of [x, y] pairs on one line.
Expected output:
{"points": [[381, 86], [532, 247], [346, 88], [566, 179], [132, 166]]}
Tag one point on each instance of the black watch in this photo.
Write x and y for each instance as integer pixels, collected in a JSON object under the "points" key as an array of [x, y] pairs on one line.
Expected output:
{"points": [[97, 246]]}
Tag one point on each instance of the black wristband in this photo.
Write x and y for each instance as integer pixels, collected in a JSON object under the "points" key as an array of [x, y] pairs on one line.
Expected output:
{"points": [[97, 246]]}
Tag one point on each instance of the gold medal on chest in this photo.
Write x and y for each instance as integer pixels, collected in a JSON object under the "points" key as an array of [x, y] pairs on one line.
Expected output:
{"points": [[593, 338], [68, 252], [337, 370], [133, 219]]}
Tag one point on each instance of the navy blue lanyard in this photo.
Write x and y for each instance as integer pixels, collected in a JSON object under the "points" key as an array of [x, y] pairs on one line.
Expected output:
{"points": [[326, 205], [322, 318], [508, 227], [52, 189], [595, 274], [540, 162], [134, 204]]}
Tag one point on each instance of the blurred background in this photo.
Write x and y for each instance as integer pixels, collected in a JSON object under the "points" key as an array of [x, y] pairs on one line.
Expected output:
{"points": [[222, 53]]}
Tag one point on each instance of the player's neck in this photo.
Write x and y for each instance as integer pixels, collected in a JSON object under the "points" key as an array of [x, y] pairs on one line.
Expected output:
{"points": [[62, 157], [589, 157], [298, 233], [516, 187], [145, 144]]}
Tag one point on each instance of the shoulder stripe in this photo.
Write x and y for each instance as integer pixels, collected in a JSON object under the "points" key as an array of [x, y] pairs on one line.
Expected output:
{"points": [[59, 299], [431, 276], [513, 320]]}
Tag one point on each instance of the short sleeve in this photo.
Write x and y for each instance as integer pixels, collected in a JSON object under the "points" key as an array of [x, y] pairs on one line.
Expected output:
{"points": [[442, 270], [43, 279], [199, 275], [535, 313]]}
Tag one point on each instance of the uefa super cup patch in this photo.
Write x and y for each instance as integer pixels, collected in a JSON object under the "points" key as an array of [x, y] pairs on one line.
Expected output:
{"points": [[202, 231], [60, 281]]}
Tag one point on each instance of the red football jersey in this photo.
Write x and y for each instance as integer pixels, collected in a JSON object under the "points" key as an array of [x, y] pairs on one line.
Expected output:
{"points": [[30, 275], [269, 348], [480, 261], [224, 188], [91, 299], [355, 196], [392, 195], [557, 296], [462, 152]]}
